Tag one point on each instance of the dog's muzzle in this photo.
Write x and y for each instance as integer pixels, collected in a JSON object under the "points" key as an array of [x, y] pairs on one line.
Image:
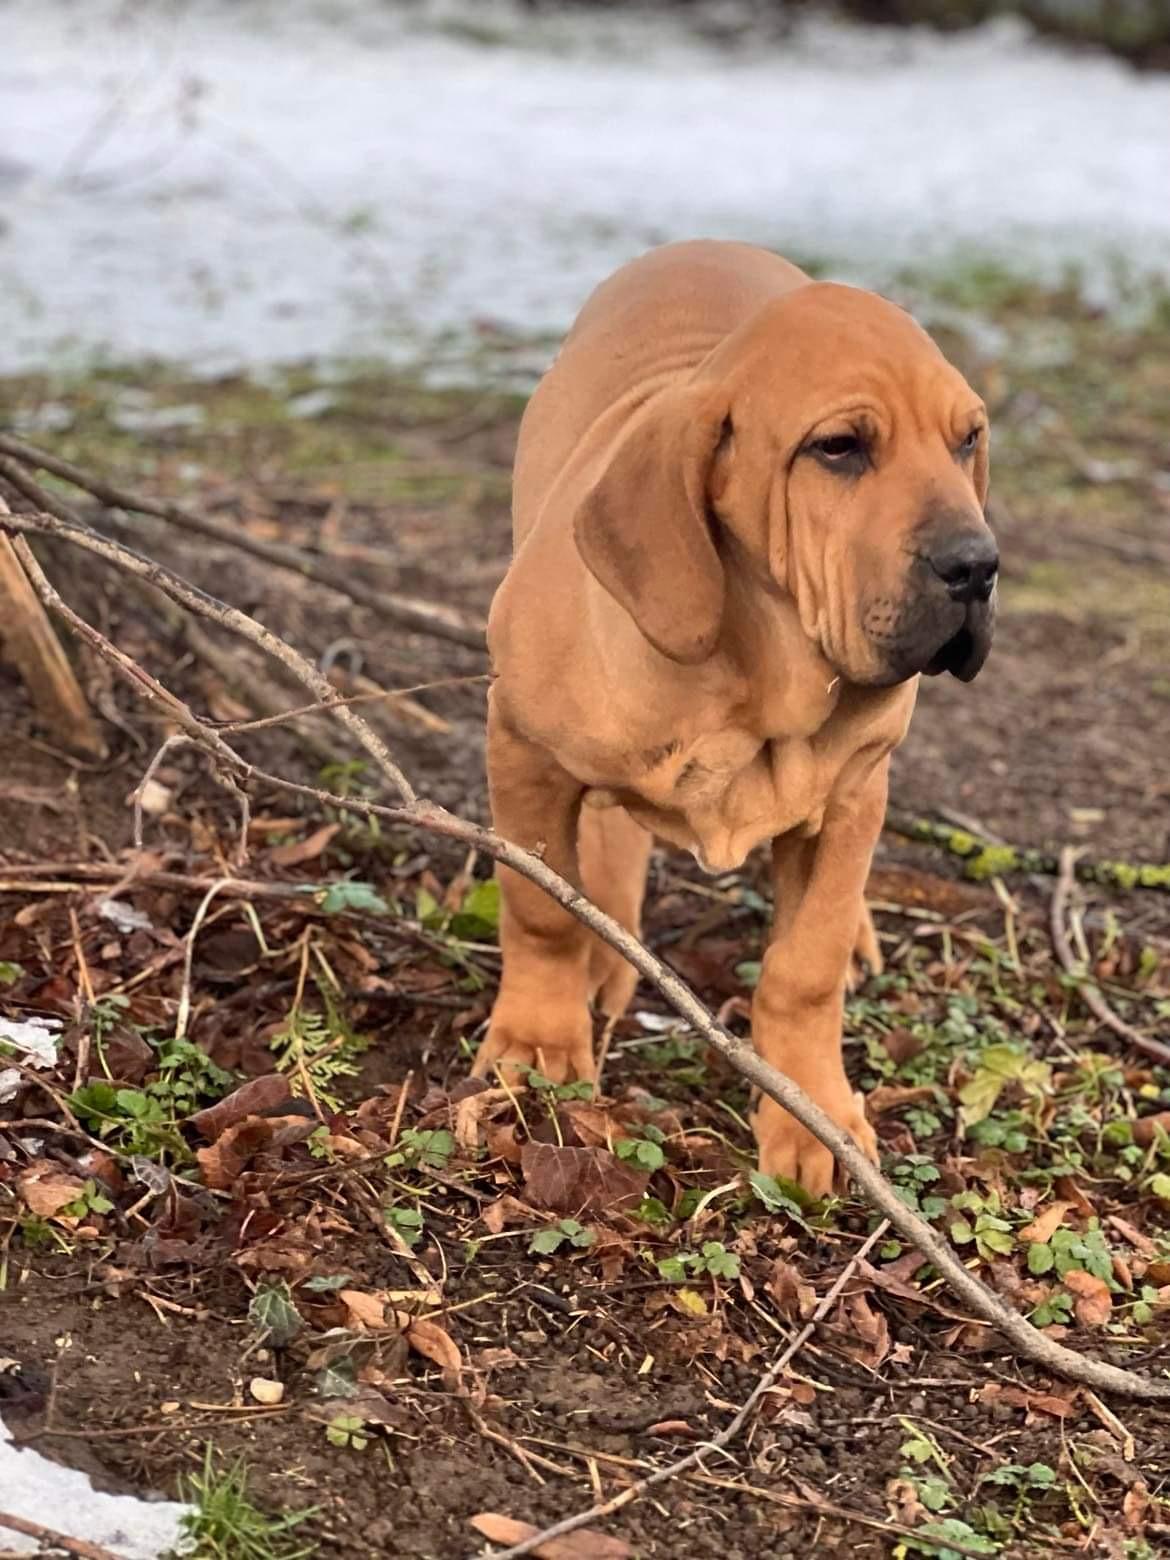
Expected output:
{"points": [[946, 619]]}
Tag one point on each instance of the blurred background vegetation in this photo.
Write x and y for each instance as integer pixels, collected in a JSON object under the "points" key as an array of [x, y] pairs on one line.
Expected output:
{"points": [[1137, 30]]}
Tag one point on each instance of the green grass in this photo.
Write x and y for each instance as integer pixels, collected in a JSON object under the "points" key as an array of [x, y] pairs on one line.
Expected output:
{"points": [[227, 1525]]}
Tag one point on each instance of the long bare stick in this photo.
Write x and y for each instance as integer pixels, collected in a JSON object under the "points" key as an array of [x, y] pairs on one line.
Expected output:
{"points": [[1089, 992], [423, 617], [79, 1547], [672, 1470], [1024, 1339]]}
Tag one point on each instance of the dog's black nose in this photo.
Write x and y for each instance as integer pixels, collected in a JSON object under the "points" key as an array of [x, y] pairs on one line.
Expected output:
{"points": [[967, 565]]}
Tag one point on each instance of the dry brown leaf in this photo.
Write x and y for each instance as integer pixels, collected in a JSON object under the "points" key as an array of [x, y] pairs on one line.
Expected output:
{"points": [[1147, 1128], [254, 1098], [223, 1163], [297, 852], [1140, 1243], [1032, 1402], [887, 1097], [1045, 1224], [584, 1544], [437, 1345], [794, 1298], [1135, 1508], [365, 1311], [868, 1337], [578, 1180], [1094, 1303], [46, 1188], [504, 1211]]}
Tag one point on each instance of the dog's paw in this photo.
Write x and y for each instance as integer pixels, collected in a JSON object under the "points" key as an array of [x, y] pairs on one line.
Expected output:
{"points": [[557, 1043], [791, 1151]]}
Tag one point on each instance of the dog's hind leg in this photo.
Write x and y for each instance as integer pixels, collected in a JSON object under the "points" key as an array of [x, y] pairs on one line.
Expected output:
{"points": [[614, 853]]}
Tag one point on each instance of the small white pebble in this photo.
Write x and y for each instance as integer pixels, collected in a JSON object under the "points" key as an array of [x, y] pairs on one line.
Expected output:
{"points": [[266, 1391]]}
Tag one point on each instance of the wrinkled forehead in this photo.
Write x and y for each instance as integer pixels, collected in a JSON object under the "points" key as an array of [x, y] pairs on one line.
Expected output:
{"points": [[826, 344]]}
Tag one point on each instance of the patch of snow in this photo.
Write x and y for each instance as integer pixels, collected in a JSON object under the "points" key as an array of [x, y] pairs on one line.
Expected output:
{"points": [[239, 186], [42, 1491], [36, 1039]]}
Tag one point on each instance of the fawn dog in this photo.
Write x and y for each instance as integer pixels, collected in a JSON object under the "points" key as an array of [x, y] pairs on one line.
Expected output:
{"points": [[748, 514]]}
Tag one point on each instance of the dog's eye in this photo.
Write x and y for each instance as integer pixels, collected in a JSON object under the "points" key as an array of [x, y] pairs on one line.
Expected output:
{"points": [[838, 448], [970, 443]]}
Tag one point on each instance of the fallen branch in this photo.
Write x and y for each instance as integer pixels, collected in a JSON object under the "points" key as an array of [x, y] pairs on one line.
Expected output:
{"points": [[51, 1539], [1024, 1339], [694, 1458], [1090, 993], [421, 617], [31, 645], [983, 858]]}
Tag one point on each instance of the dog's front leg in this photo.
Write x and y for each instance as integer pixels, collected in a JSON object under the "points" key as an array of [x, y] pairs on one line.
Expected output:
{"points": [[541, 1016], [799, 1007]]}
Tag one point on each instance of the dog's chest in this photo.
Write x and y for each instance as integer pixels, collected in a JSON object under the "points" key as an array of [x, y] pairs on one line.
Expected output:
{"points": [[729, 792]]}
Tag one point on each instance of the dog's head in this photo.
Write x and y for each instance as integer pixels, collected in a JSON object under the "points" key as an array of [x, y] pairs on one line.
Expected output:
{"points": [[832, 449]]}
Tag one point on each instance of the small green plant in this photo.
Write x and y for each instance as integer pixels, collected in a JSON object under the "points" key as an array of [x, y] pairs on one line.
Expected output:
{"points": [[920, 1449], [432, 1147], [274, 1316], [989, 1232], [714, 1259], [681, 1058], [1084, 1250], [226, 1525], [580, 1089], [1000, 1066], [1056, 1310], [351, 894], [554, 1236], [912, 1177], [10, 973], [347, 1430], [644, 1151], [131, 1120], [408, 1222], [91, 1200], [319, 1045], [936, 1538]]}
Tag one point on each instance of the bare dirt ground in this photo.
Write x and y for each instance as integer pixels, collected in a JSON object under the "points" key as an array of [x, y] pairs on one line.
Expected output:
{"points": [[457, 1329]]}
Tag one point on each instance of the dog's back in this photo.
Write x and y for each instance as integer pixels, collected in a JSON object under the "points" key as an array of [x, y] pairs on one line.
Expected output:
{"points": [[652, 321]]}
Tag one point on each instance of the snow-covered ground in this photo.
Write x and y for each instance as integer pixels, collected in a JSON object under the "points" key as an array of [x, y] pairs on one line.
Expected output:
{"points": [[283, 179], [40, 1491]]}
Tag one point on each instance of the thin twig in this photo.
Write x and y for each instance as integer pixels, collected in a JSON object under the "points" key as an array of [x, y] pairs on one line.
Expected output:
{"points": [[1090, 993], [422, 617], [694, 1458], [50, 1538], [1023, 1338]]}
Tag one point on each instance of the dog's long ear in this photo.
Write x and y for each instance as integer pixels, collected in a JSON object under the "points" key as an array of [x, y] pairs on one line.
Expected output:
{"points": [[643, 527]]}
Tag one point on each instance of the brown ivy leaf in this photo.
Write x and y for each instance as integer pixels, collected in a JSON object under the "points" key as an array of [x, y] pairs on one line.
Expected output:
{"points": [[1094, 1304], [254, 1098], [584, 1544], [578, 1180]]}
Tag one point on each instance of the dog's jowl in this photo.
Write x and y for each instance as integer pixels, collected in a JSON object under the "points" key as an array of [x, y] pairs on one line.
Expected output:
{"points": [[748, 515]]}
